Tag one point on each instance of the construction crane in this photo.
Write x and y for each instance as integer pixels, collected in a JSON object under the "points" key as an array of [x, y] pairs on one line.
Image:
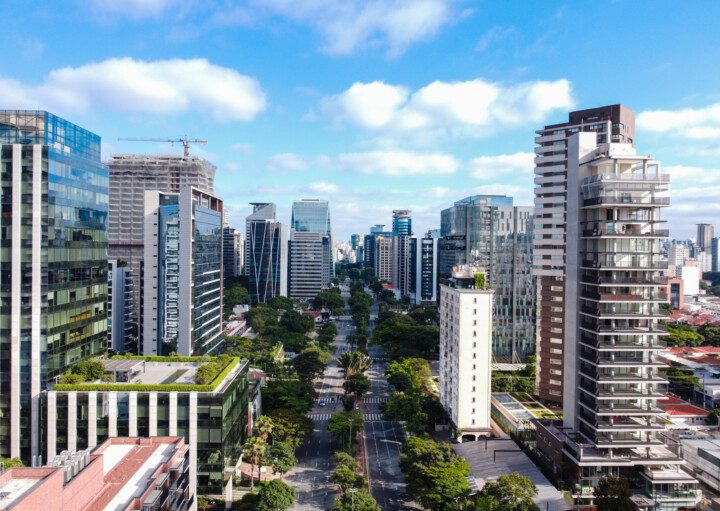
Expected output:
{"points": [[185, 142]]}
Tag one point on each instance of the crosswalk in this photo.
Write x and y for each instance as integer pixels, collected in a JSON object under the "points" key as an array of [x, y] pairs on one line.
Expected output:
{"points": [[374, 400], [369, 417]]}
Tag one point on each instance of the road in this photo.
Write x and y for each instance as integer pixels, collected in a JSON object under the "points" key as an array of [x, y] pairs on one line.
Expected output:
{"points": [[383, 439], [311, 476]]}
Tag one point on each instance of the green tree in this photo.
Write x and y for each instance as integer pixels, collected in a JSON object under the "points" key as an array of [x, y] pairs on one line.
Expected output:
{"points": [[345, 477], [342, 458], [264, 426], [235, 295], [711, 334], [296, 322], [613, 494], [12, 463], [292, 394], [281, 457], [345, 425], [358, 500], [290, 426], [511, 492], [276, 496], [357, 384], [253, 450], [714, 418], [682, 335], [261, 317], [90, 369], [69, 378], [354, 362], [282, 303], [310, 363]]}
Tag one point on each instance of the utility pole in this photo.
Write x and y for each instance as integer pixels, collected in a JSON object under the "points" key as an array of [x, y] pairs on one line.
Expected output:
{"points": [[352, 492]]}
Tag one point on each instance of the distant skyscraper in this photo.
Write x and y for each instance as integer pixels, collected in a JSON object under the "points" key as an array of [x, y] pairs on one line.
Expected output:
{"points": [[232, 252], [715, 254], [266, 257], [383, 258], [488, 231], [426, 281], [705, 234], [402, 222], [613, 123], [54, 264], [402, 271], [308, 270], [313, 215], [122, 334], [355, 241], [130, 176], [369, 245], [182, 296]]}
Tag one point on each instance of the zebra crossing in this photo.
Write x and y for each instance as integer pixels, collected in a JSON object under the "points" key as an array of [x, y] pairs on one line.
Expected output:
{"points": [[369, 417], [374, 400]]}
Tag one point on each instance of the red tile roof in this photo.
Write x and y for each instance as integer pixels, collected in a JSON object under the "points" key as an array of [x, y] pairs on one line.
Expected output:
{"points": [[685, 411]]}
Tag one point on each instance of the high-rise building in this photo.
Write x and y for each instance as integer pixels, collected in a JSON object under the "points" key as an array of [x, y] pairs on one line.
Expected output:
{"points": [[266, 257], [614, 323], [308, 270], [233, 248], [182, 296], [313, 215], [705, 234], [53, 264], [613, 123], [355, 241], [130, 176], [402, 270], [465, 351], [487, 230], [678, 254], [715, 255], [383, 257], [402, 222], [122, 334], [426, 276]]}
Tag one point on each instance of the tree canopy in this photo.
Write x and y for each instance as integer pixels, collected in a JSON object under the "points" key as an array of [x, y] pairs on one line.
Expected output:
{"points": [[510, 492], [276, 496], [291, 394], [613, 494]]}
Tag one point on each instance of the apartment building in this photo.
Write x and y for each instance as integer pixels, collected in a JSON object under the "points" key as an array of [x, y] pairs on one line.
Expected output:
{"points": [[266, 255], [308, 269], [465, 351], [613, 123], [383, 252]]}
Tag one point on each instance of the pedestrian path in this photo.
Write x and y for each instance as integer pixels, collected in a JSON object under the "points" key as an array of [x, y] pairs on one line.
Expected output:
{"points": [[374, 400], [320, 416], [373, 417]]}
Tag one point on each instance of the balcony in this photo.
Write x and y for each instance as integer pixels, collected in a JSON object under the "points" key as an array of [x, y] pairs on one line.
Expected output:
{"points": [[624, 200], [622, 425], [623, 409], [621, 312], [622, 394], [601, 362], [627, 177], [617, 377], [622, 280], [606, 344], [611, 262], [607, 231]]}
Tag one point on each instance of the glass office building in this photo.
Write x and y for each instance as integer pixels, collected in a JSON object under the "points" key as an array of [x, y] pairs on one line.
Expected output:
{"points": [[313, 215], [488, 231], [182, 296], [53, 263], [266, 254]]}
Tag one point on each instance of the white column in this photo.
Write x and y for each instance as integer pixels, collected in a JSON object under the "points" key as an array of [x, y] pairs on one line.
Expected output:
{"points": [[92, 419], [132, 414], [172, 413], [192, 440], [72, 421], [15, 302], [152, 413], [51, 425], [36, 300], [112, 414]]}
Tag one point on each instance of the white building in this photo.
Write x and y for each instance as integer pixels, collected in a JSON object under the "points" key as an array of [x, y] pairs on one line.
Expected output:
{"points": [[465, 351], [678, 254], [309, 269], [690, 276]]}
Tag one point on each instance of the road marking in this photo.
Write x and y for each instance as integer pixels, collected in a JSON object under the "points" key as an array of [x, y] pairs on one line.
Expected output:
{"points": [[320, 417]]}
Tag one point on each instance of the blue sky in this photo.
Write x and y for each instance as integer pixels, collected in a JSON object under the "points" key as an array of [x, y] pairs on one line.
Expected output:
{"points": [[374, 104]]}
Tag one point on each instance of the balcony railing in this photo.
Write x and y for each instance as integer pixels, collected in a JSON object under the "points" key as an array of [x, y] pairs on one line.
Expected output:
{"points": [[639, 262], [627, 176], [621, 280], [626, 201], [624, 233]]}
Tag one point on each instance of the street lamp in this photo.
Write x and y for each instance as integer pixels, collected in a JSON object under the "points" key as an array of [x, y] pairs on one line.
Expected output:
{"points": [[352, 492]]}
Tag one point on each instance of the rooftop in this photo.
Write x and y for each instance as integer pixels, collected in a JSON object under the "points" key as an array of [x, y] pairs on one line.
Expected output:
{"points": [[153, 373]]}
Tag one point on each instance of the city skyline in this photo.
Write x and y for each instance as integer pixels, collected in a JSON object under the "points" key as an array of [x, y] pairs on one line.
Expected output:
{"points": [[371, 112]]}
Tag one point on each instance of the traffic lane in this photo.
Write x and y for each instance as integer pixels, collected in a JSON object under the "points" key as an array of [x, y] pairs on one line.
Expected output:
{"points": [[386, 480]]}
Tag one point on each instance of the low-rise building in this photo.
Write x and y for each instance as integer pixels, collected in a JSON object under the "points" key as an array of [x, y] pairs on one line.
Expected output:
{"points": [[465, 351], [159, 397], [120, 474]]}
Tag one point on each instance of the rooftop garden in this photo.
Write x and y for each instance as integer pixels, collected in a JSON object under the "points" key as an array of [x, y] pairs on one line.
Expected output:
{"points": [[90, 375]]}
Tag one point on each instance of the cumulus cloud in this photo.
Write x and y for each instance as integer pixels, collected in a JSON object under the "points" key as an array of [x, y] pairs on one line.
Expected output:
{"points": [[474, 107], [323, 187], [398, 163], [161, 87], [286, 161], [350, 25], [489, 167], [696, 123], [522, 195]]}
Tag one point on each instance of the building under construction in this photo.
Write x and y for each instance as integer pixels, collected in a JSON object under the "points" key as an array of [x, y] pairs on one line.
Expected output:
{"points": [[130, 176]]}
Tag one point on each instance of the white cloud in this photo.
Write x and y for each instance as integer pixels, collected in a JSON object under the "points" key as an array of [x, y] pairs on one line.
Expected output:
{"points": [[136, 9], [697, 123], [161, 87], [399, 163], [323, 187], [350, 25], [474, 107], [522, 195], [685, 175], [494, 35], [286, 161], [241, 148], [489, 167]]}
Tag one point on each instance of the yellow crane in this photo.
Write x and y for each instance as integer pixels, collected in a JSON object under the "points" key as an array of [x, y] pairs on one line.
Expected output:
{"points": [[185, 142]]}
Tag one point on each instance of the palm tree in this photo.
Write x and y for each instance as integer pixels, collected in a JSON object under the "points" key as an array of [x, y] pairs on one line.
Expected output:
{"points": [[253, 450], [354, 362], [264, 426]]}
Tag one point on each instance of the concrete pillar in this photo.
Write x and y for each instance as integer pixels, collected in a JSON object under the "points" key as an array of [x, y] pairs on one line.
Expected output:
{"points": [[152, 413], [132, 414], [51, 425], [92, 419], [72, 421], [192, 440], [172, 413], [112, 414]]}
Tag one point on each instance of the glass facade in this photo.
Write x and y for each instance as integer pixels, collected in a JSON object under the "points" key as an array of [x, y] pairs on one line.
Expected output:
{"points": [[489, 231], [169, 271], [312, 215], [53, 261]]}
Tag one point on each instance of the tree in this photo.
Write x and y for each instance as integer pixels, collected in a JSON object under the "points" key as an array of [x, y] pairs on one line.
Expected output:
{"points": [[711, 334], [234, 295], [344, 426], [357, 384], [12, 463], [342, 458], [275, 496], [353, 362], [714, 418], [292, 394], [264, 426], [345, 477], [310, 363], [296, 322], [282, 303], [447, 485], [682, 335], [290, 426], [511, 492], [203, 503], [281, 457], [613, 494], [358, 500], [253, 450]]}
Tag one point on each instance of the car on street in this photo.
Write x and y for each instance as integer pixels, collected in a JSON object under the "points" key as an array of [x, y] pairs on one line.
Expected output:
{"points": [[321, 402]]}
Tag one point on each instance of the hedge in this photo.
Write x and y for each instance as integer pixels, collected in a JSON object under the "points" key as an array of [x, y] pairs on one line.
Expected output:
{"points": [[160, 358], [146, 387]]}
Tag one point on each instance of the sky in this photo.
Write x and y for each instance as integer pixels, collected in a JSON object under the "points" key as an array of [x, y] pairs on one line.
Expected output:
{"points": [[374, 105]]}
